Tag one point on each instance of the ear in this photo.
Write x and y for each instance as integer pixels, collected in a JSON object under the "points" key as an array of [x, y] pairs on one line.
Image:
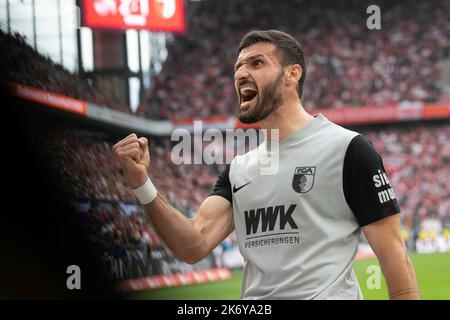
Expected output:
{"points": [[293, 74]]}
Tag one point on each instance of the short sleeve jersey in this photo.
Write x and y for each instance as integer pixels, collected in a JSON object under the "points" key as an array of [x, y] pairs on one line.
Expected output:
{"points": [[298, 227]]}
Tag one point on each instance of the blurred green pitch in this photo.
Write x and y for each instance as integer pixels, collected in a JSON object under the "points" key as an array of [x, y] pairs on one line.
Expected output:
{"points": [[433, 274]]}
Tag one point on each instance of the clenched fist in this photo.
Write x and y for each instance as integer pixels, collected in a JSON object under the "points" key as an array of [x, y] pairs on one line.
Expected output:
{"points": [[134, 157]]}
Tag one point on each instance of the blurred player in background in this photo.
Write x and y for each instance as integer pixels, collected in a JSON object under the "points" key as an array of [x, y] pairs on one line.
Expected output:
{"points": [[298, 228]]}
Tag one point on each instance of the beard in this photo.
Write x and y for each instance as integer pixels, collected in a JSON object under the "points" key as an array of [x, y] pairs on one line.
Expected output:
{"points": [[271, 100]]}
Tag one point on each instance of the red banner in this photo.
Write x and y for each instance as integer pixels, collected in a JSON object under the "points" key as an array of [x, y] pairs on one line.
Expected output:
{"points": [[347, 115], [384, 114], [176, 279], [161, 15], [47, 98]]}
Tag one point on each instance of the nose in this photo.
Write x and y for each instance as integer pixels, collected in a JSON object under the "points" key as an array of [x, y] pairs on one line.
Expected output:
{"points": [[241, 74]]}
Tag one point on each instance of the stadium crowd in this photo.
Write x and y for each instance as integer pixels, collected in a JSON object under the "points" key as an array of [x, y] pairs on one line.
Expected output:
{"points": [[111, 227], [87, 166], [127, 245], [418, 163], [417, 160], [18, 60], [347, 64]]}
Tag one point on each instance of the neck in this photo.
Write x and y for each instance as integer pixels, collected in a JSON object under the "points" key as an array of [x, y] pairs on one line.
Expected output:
{"points": [[287, 119]]}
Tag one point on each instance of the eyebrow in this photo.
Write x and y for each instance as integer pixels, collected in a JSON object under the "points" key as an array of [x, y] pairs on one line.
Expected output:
{"points": [[249, 59]]}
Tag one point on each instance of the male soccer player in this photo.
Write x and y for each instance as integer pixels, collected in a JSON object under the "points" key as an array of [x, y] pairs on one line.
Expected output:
{"points": [[298, 228]]}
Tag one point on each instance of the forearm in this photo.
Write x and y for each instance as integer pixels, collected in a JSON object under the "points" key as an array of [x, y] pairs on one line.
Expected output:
{"points": [[178, 231], [400, 278]]}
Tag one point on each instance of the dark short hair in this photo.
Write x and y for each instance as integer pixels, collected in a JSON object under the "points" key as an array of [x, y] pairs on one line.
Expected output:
{"points": [[291, 53]]}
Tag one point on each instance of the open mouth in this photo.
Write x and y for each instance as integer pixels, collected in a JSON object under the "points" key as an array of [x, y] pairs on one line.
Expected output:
{"points": [[248, 94]]}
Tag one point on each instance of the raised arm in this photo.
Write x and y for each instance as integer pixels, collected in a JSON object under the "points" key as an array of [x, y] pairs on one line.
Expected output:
{"points": [[189, 239], [385, 239]]}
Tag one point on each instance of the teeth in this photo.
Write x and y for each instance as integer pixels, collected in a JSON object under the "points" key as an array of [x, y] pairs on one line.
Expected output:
{"points": [[247, 88]]}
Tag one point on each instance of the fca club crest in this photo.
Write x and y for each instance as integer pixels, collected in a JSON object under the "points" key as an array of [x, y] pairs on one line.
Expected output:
{"points": [[303, 180]]}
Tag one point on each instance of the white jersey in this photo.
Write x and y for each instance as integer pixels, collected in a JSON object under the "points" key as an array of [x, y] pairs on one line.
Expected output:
{"points": [[298, 229]]}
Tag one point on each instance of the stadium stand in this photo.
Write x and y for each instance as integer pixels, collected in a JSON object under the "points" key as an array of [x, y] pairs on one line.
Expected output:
{"points": [[90, 170], [83, 164], [346, 65], [18, 60], [417, 160]]}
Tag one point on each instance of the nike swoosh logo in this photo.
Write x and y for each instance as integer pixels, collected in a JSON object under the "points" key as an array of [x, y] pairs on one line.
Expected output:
{"points": [[237, 189]]}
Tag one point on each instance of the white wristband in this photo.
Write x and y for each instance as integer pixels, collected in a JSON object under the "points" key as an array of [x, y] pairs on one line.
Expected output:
{"points": [[146, 193]]}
